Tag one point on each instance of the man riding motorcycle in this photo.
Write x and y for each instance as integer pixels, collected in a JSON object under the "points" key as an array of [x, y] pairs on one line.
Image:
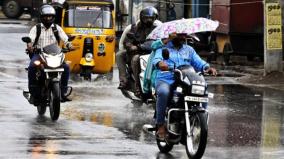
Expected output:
{"points": [[41, 35], [136, 46], [179, 54]]}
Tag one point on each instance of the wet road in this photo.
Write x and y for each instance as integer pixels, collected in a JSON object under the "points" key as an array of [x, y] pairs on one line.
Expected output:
{"points": [[245, 122]]}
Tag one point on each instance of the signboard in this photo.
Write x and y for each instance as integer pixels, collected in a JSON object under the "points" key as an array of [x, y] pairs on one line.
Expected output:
{"points": [[273, 26]]}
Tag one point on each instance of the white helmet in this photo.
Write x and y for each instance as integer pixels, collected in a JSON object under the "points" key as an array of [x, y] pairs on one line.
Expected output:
{"points": [[47, 10]]}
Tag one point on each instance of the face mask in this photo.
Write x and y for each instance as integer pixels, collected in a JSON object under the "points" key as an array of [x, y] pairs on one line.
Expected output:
{"points": [[47, 25], [149, 23], [47, 22], [178, 42]]}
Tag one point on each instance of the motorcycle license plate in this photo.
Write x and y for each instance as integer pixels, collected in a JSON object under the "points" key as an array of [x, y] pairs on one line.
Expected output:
{"points": [[54, 70], [196, 99]]}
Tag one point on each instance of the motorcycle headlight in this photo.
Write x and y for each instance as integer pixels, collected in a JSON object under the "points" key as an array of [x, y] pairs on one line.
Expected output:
{"points": [[53, 61], [196, 89], [89, 57], [37, 62]]}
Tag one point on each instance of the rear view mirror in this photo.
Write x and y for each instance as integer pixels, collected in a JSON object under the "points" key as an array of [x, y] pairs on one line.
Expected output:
{"points": [[193, 38], [71, 38], [26, 39]]}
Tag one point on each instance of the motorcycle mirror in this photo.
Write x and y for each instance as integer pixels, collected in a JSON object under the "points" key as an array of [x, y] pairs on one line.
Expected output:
{"points": [[26, 39], [165, 54], [194, 38], [71, 38]]}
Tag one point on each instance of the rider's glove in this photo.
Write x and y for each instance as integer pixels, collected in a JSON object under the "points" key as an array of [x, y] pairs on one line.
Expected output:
{"points": [[212, 71], [30, 48]]}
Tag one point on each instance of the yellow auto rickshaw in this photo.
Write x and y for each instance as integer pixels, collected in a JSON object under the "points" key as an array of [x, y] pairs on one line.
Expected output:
{"points": [[92, 22]]}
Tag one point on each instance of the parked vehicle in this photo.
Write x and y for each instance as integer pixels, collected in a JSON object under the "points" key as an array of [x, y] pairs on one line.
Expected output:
{"points": [[15, 8], [241, 28], [93, 25], [49, 70]]}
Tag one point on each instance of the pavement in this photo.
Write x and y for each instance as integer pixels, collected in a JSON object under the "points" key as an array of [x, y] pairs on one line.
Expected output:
{"points": [[251, 73]]}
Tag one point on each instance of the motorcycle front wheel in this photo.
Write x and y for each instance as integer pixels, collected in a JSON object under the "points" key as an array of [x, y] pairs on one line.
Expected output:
{"points": [[164, 147], [54, 106], [196, 139]]}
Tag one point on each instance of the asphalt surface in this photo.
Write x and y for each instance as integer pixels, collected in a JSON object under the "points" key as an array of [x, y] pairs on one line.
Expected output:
{"points": [[246, 121]]}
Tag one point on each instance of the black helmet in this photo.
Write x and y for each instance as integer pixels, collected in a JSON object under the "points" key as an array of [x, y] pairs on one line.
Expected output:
{"points": [[47, 15], [148, 15]]}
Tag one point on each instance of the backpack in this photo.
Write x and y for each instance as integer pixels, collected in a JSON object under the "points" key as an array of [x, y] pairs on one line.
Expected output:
{"points": [[38, 32]]}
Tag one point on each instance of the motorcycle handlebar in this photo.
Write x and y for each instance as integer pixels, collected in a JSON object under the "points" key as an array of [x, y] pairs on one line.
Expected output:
{"points": [[66, 50]]}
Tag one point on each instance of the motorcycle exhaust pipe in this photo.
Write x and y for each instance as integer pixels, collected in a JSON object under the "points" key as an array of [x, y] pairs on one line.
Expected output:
{"points": [[149, 129]]}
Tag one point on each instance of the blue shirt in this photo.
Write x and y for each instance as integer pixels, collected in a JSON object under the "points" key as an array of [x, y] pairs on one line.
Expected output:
{"points": [[186, 55]]}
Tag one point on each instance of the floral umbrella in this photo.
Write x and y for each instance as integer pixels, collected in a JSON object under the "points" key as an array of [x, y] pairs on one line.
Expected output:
{"points": [[186, 26]]}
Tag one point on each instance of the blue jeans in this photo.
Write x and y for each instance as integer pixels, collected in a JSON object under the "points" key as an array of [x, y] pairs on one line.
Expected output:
{"points": [[32, 76], [163, 91]]}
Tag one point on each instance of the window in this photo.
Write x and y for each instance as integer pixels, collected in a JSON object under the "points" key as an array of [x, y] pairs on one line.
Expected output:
{"points": [[88, 17]]}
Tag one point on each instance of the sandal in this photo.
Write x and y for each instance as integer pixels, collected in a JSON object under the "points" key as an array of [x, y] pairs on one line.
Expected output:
{"points": [[161, 132]]}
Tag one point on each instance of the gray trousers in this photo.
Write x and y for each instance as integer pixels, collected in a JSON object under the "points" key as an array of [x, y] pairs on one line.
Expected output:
{"points": [[121, 60]]}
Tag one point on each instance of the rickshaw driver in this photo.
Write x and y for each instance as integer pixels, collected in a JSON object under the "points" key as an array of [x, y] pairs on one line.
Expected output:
{"points": [[136, 47], [46, 37]]}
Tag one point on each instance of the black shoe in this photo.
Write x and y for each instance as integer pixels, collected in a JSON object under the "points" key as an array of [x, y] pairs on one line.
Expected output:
{"points": [[34, 101], [138, 93], [65, 99], [121, 86]]}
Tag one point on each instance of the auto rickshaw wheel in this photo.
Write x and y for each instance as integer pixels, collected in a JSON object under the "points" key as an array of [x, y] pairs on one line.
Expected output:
{"points": [[87, 77], [86, 73], [109, 75]]}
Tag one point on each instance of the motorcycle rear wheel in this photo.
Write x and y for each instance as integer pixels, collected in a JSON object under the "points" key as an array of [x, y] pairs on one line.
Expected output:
{"points": [[54, 106], [163, 146], [197, 139]]}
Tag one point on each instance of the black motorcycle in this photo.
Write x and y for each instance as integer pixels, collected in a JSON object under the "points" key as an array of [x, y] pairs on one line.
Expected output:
{"points": [[186, 118], [128, 92], [48, 74]]}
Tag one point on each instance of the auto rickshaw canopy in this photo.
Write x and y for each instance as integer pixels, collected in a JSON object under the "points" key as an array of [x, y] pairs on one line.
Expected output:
{"points": [[89, 2]]}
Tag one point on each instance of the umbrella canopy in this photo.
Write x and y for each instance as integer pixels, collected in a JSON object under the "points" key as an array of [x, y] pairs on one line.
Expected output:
{"points": [[185, 26]]}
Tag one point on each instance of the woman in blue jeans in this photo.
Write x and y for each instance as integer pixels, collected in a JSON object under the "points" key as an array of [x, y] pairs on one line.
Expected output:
{"points": [[179, 54]]}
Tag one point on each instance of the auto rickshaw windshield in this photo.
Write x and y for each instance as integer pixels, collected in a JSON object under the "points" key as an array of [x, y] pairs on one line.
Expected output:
{"points": [[88, 17]]}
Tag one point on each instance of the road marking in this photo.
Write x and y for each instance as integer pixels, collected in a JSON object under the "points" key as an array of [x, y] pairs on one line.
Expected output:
{"points": [[8, 76]]}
